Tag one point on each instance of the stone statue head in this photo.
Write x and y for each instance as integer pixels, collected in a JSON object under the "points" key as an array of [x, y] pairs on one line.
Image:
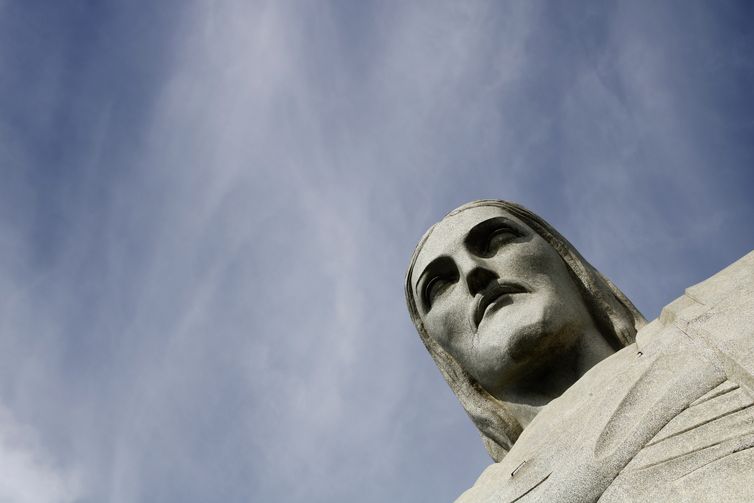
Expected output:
{"points": [[497, 294]]}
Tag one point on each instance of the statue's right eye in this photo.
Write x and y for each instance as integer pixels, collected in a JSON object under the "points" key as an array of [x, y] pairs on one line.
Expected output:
{"points": [[439, 275], [435, 287]]}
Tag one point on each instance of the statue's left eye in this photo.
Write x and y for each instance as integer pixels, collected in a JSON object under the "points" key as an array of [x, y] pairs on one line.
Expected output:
{"points": [[498, 238], [440, 275]]}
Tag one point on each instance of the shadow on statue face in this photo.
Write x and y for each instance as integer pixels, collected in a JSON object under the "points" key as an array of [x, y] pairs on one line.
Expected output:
{"points": [[497, 297]]}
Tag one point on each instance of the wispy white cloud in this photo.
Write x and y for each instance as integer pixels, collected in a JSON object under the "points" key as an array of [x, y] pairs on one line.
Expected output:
{"points": [[29, 473]]}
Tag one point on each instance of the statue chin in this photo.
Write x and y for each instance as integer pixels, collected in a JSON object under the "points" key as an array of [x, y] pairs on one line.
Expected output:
{"points": [[534, 363]]}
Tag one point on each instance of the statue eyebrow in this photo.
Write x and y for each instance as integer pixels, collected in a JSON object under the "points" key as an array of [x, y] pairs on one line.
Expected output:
{"points": [[476, 238]]}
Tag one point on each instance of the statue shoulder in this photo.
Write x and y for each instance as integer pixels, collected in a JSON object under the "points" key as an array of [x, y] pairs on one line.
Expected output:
{"points": [[718, 316]]}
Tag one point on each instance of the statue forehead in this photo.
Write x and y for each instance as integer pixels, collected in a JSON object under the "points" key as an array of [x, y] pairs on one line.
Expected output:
{"points": [[450, 232]]}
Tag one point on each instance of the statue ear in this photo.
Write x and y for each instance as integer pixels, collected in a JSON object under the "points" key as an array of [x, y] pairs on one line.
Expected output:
{"points": [[496, 451]]}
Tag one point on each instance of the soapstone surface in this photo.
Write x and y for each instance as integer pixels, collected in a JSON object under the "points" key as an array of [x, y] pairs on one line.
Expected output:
{"points": [[665, 415]]}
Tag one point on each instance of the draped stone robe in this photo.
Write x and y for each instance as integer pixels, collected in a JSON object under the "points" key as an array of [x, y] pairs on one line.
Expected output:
{"points": [[667, 419]]}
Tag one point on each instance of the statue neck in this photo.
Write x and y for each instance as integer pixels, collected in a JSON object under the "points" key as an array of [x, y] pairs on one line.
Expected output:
{"points": [[533, 391]]}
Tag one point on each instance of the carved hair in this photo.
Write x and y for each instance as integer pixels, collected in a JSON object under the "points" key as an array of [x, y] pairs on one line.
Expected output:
{"points": [[615, 316]]}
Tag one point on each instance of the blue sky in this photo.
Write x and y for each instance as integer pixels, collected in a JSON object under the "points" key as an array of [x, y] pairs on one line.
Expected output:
{"points": [[207, 208]]}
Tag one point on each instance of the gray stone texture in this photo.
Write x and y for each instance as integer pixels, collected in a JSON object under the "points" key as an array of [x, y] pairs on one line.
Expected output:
{"points": [[667, 418]]}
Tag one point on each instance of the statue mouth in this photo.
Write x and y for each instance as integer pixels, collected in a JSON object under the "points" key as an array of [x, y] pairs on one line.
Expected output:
{"points": [[491, 296]]}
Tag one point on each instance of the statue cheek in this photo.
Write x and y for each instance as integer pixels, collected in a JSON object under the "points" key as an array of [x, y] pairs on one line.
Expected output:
{"points": [[438, 329], [450, 330], [539, 256]]}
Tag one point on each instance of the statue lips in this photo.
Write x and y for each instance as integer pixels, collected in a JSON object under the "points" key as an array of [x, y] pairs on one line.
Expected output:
{"points": [[490, 296]]}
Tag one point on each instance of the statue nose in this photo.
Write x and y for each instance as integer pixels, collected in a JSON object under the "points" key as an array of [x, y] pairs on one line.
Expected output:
{"points": [[478, 279]]}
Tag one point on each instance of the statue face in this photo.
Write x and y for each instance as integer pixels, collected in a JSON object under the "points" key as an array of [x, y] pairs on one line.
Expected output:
{"points": [[496, 296]]}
